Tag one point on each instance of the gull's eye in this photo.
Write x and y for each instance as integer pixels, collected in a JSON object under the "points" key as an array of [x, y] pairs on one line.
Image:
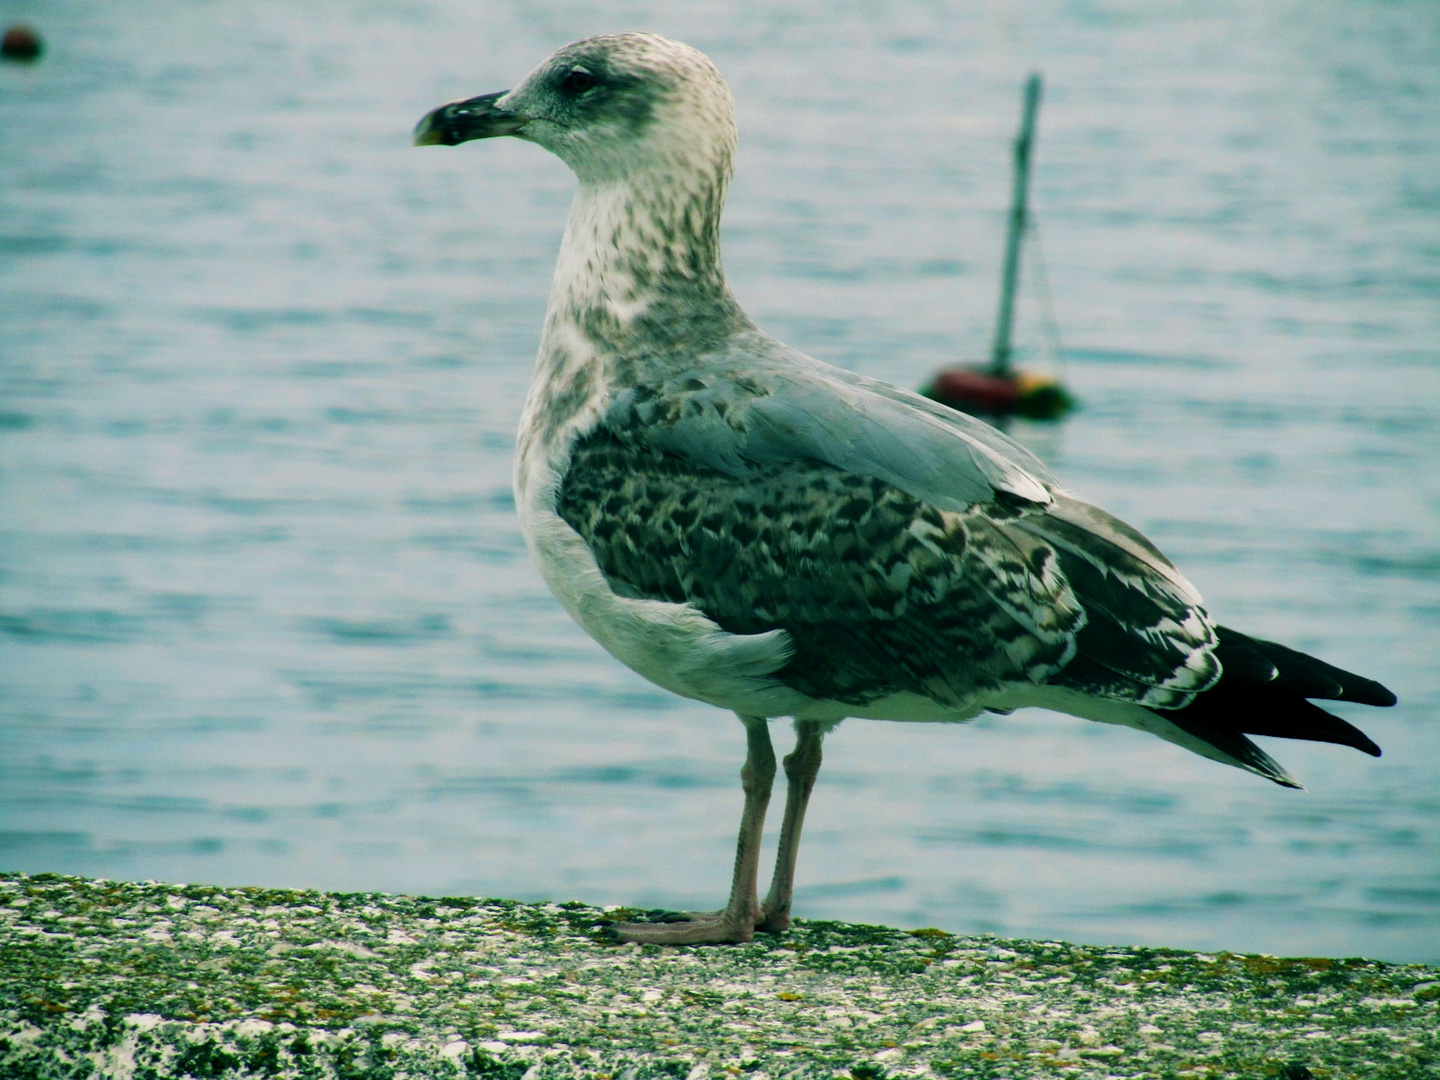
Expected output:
{"points": [[576, 82]]}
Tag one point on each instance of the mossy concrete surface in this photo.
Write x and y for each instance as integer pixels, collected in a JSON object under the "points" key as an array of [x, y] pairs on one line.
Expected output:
{"points": [[140, 981]]}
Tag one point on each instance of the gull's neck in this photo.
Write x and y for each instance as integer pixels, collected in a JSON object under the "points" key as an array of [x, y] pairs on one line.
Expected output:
{"points": [[639, 294], [639, 278], [634, 244]]}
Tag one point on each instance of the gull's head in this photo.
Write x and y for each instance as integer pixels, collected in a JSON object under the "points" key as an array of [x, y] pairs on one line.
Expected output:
{"points": [[610, 107]]}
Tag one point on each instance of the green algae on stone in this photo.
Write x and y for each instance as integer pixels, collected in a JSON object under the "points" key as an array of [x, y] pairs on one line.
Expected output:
{"points": [[137, 981]]}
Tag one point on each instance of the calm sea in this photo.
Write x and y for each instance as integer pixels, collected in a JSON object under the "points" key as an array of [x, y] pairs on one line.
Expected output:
{"points": [[265, 614]]}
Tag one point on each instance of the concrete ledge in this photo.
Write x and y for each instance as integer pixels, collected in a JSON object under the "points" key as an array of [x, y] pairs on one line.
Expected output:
{"points": [[108, 979]]}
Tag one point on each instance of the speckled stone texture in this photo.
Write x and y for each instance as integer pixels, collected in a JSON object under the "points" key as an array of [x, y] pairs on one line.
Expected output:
{"points": [[109, 979]]}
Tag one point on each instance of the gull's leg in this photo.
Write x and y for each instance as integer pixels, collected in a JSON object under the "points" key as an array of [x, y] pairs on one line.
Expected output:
{"points": [[802, 765], [737, 921]]}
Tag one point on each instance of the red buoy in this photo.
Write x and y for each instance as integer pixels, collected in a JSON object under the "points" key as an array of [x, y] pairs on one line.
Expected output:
{"points": [[966, 389], [1020, 393]]}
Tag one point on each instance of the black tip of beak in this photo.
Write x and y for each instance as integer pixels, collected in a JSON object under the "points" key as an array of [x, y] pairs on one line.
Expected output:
{"points": [[462, 121]]}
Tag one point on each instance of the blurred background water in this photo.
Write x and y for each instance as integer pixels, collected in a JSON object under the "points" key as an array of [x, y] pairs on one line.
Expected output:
{"points": [[265, 614]]}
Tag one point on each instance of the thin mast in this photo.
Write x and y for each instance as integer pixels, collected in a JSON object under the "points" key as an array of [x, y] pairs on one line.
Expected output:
{"points": [[1000, 350]]}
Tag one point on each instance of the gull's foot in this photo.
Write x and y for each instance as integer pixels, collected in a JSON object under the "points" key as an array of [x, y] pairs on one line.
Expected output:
{"points": [[687, 928], [775, 922]]}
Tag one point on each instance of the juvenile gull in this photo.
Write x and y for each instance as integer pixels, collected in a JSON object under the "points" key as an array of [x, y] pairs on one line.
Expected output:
{"points": [[747, 526]]}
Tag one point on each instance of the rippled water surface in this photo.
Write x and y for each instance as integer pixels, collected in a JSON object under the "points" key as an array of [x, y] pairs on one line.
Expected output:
{"points": [[265, 614]]}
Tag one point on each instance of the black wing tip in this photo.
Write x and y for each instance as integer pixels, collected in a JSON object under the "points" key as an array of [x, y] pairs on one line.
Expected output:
{"points": [[1351, 736], [1293, 718], [1369, 692], [1264, 689], [1302, 674]]}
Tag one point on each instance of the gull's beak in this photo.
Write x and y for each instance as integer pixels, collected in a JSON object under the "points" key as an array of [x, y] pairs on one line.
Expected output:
{"points": [[461, 121]]}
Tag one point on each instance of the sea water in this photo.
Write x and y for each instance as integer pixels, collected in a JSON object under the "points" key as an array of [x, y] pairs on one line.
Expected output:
{"points": [[265, 613]]}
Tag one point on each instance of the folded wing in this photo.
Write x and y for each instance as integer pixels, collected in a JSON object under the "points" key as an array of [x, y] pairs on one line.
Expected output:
{"points": [[907, 549]]}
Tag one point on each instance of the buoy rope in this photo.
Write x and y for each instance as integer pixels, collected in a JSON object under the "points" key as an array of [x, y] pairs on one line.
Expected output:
{"points": [[1049, 324]]}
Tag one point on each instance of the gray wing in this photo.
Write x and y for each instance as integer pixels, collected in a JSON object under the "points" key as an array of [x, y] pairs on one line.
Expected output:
{"points": [[795, 408], [768, 507]]}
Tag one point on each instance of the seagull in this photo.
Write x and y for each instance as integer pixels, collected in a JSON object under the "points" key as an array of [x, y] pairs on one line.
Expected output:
{"points": [[749, 527]]}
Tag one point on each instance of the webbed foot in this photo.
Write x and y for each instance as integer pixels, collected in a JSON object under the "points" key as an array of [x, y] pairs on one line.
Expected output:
{"points": [[687, 928]]}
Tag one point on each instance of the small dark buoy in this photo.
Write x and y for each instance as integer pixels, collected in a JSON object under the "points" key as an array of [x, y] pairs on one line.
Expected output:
{"points": [[21, 42]]}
